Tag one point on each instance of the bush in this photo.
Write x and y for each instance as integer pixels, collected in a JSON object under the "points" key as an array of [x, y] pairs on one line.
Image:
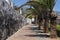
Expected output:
{"points": [[58, 27]]}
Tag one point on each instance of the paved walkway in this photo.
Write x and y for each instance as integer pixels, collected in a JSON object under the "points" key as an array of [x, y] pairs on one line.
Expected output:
{"points": [[29, 32]]}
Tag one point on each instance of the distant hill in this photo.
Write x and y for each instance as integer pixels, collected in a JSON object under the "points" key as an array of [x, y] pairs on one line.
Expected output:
{"points": [[57, 12]]}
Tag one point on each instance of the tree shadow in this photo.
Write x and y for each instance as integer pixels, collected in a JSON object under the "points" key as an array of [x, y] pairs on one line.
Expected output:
{"points": [[35, 29], [38, 32], [38, 35]]}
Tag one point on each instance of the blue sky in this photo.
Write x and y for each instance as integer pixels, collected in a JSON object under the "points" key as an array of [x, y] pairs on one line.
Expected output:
{"points": [[57, 6], [20, 2]]}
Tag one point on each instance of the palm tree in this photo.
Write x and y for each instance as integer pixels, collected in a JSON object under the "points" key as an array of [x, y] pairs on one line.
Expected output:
{"points": [[42, 9], [44, 6], [34, 13], [39, 9], [50, 5], [53, 22]]}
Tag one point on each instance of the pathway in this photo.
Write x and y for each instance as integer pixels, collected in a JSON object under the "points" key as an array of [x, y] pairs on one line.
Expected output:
{"points": [[29, 32]]}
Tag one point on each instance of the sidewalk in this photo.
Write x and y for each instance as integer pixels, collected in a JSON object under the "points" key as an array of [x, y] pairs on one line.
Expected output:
{"points": [[29, 32]]}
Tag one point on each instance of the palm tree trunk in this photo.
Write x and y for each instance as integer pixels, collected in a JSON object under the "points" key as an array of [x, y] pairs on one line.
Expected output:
{"points": [[36, 19], [53, 25], [46, 24], [40, 24], [46, 21]]}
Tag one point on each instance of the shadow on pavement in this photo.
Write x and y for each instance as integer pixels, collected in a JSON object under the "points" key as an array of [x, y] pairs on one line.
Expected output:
{"points": [[37, 35], [35, 29]]}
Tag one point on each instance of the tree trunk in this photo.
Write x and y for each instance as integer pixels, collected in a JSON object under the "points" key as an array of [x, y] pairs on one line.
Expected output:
{"points": [[53, 25], [40, 24], [46, 22], [46, 25], [36, 19]]}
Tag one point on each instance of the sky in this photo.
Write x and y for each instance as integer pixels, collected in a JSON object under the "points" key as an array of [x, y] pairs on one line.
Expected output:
{"points": [[21, 2], [57, 6]]}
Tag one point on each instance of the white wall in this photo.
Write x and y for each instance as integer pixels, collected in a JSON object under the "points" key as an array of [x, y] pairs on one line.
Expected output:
{"points": [[28, 21]]}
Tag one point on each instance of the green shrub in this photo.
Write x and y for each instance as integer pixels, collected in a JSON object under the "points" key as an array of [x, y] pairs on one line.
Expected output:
{"points": [[58, 27]]}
